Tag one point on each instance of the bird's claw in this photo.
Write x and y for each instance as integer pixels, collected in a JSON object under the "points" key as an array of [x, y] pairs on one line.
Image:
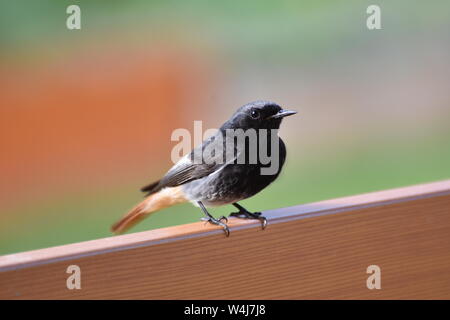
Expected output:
{"points": [[219, 222], [263, 222], [250, 215]]}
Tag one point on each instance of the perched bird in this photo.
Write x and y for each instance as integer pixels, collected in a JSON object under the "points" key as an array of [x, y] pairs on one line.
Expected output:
{"points": [[209, 179]]}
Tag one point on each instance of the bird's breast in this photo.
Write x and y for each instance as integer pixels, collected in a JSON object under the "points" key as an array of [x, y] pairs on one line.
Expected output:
{"points": [[231, 184]]}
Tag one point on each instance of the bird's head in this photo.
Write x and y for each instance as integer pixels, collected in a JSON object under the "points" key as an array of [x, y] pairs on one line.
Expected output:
{"points": [[258, 115]]}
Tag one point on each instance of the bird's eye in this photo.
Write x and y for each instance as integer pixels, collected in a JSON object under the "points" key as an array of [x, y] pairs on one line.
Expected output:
{"points": [[255, 114]]}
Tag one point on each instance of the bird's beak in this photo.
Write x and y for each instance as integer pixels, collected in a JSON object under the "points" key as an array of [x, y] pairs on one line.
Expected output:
{"points": [[282, 113]]}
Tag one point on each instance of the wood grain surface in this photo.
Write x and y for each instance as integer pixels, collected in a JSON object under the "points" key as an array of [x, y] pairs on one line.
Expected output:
{"points": [[313, 251]]}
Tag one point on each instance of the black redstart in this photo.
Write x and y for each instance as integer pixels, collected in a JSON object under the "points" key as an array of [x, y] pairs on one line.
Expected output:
{"points": [[221, 171]]}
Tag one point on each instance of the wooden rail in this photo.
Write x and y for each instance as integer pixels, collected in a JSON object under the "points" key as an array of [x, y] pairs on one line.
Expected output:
{"points": [[319, 250]]}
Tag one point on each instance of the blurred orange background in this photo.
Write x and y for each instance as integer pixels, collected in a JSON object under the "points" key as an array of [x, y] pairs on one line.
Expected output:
{"points": [[86, 115]]}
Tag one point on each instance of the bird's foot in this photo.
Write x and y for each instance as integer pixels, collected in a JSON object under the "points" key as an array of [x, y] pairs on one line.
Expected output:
{"points": [[219, 222], [244, 214]]}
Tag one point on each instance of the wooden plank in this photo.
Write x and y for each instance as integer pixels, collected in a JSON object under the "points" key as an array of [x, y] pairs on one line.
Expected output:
{"points": [[319, 250]]}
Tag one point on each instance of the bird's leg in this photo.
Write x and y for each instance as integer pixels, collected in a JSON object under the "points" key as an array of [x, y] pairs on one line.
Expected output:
{"points": [[213, 220], [245, 214]]}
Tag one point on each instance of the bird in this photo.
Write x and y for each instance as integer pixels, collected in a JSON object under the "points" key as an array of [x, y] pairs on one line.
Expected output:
{"points": [[218, 178]]}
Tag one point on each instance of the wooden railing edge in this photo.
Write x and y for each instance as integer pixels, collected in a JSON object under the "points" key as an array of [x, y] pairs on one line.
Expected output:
{"points": [[199, 229]]}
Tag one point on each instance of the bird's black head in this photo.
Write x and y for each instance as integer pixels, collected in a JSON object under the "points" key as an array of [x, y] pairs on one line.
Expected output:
{"points": [[257, 115]]}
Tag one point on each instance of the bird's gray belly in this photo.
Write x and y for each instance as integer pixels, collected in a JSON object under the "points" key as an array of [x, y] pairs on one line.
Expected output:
{"points": [[230, 184]]}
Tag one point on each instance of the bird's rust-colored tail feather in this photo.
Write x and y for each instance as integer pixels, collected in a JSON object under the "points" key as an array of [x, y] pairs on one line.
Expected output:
{"points": [[152, 203]]}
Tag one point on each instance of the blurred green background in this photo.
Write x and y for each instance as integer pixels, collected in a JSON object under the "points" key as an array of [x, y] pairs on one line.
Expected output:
{"points": [[86, 115]]}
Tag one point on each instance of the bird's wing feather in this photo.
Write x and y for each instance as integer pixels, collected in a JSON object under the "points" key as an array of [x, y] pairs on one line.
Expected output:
{"points": [[185, 170]]}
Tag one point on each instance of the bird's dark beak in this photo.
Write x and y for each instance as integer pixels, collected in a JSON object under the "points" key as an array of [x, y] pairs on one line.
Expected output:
{"points": [[282, 113]]}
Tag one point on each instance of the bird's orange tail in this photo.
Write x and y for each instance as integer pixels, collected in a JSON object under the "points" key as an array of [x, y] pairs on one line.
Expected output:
{"points": [[152, 203]]}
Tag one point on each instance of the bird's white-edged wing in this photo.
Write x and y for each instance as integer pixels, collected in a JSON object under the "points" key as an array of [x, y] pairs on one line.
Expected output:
{"points": [[186, 170]]}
